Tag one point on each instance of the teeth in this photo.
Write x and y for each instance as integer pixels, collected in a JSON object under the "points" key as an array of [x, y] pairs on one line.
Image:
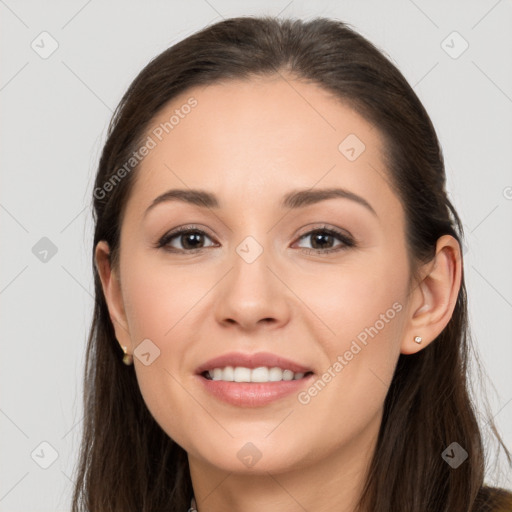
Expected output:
{"points": [[260, 374]]}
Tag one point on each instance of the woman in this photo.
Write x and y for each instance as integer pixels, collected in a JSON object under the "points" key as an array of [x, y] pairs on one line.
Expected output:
{"points": [[277, 258]]}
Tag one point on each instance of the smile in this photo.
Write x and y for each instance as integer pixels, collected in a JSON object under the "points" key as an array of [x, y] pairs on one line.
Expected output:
{"points": [[260, 374]]}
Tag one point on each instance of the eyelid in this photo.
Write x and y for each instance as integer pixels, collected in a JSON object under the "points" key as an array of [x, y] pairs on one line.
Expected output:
{"points": [[322, 226]]}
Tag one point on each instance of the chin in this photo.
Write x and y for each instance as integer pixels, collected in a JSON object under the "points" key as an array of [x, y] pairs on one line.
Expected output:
{"points": [[251, 456]]}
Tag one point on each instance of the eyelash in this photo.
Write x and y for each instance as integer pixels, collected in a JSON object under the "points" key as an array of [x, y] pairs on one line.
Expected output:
{"points": [[347, 241]]}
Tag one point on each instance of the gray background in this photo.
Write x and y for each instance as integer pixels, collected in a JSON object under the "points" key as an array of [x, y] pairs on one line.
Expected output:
{"points": [[55, 112]]}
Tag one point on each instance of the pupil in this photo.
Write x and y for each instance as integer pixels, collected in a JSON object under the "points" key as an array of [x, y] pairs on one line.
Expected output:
{"points": [[191, 236], [319, 237]]}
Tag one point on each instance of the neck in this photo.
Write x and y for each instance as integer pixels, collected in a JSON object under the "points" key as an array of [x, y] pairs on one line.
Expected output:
{"points": [[331, 482]]}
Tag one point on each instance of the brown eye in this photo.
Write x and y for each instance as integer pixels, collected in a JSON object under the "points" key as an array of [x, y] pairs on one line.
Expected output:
{"points": [[188, 240], [323, 239]]}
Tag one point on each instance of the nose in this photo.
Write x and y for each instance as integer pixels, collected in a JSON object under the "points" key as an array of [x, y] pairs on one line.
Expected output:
{"points": [[253, 294]]}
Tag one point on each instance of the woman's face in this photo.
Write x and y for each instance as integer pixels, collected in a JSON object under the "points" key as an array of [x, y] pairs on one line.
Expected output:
{"points": [[251, 277]]}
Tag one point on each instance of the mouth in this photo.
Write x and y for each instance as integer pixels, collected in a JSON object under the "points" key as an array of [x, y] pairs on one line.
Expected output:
{"points": [[257, 367], [253, 380], [261, 374]]}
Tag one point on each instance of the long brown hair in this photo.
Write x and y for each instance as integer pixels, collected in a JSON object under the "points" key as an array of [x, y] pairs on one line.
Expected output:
{"points": [[127, 462]]}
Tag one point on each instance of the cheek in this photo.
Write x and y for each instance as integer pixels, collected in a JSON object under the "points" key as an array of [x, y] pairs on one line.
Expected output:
{"points": [[350, 310], [158, 297], [160, 303], [363, 306], [365, 312], [360, 302]]}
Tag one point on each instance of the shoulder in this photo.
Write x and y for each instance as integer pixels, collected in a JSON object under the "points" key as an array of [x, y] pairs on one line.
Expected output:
{"points": [[493, 499]]}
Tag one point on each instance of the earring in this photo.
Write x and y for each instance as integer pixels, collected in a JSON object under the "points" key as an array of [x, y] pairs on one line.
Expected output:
{"points": [[127, 358], [418, 339]]}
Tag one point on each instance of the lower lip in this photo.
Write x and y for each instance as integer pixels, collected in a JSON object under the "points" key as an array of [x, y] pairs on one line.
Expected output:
{"points": [[253, 394]]}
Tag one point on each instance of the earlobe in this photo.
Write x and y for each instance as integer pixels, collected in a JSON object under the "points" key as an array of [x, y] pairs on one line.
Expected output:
{"points": [[434, 299], [112, 292]]}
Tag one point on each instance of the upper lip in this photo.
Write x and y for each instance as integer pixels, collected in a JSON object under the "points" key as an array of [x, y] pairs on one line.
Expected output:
{"points": [[252, 361]]}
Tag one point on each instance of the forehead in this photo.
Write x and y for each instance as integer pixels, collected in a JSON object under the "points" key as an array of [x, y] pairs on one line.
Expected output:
{"points": [[249, 139]]}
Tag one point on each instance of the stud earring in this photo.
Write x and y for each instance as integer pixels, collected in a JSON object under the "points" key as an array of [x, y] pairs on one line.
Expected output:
{"points": [[127, 358], [418, 339]]}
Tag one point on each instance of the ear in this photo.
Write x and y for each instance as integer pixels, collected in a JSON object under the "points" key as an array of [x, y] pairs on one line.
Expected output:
{"points": [[434, 298], [112, 290]]}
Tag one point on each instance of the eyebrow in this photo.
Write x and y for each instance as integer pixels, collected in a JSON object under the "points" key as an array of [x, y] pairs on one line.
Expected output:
{"points": [[294, 200]]}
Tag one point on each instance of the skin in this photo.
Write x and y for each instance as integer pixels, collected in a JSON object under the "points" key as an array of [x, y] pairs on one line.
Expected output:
{"points": [[250, 143]]}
